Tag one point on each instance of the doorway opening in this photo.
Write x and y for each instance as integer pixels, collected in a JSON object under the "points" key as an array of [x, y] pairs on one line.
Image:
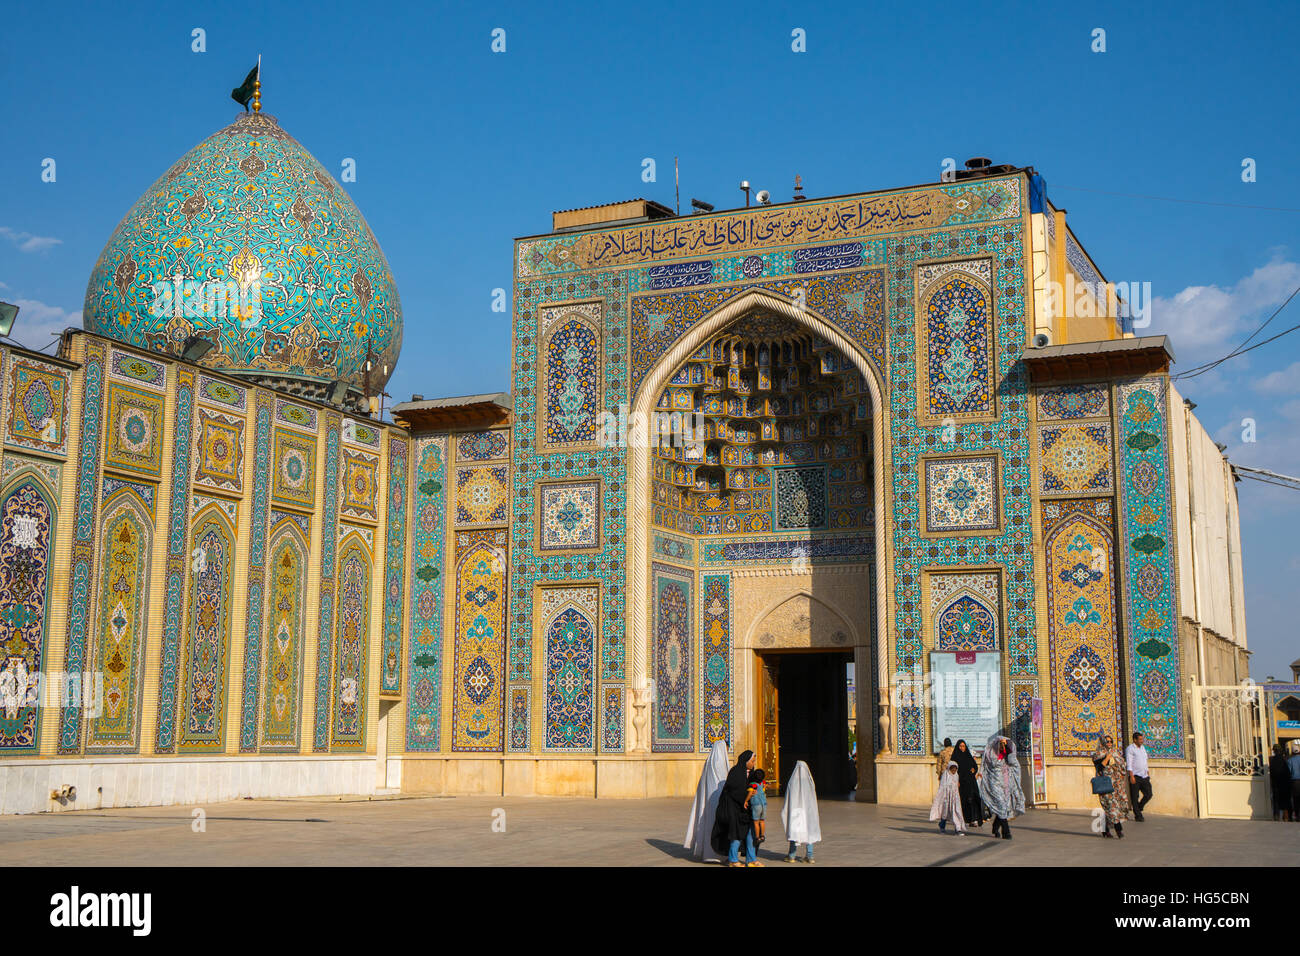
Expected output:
{"points": [[804, 714]]}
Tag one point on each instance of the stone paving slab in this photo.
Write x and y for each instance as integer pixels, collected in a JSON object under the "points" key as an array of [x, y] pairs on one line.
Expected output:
{"points": [[458, 831]]}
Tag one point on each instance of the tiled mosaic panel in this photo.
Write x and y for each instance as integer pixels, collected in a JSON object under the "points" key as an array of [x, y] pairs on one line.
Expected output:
{"points": [[483, 446], [135, 430], [328, 546], [293, 483], [569, 397], [517, 741], [256, 558], [612, 718], [286, 586], [126, 550], [801, 500], [957, 340], [297, 416], [428, 507], [482, 495], [1075, 459], [674, 549], [569, 619], [1023, 691], [177, 525], [961, 494], [966, 610], [716, 693], [219, 451], [348, 724], [1009, 546], [724, 235], [671, 591], [36, 405], [606, 565], [207, 644], [1082, 638], [570, 516], [477, 715], [1071, 402], [137, 370], [359, 433], [26, 532], [1147, 544], [83, 535], [222, 393], [390, 678], [360, 485]]}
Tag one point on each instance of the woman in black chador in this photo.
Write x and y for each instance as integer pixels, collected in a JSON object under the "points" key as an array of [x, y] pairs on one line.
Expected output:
{"points": [[972, 810], [733, 824]]}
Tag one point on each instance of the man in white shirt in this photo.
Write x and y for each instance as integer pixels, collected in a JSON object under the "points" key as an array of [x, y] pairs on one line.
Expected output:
{"points": [[1139, 775]]}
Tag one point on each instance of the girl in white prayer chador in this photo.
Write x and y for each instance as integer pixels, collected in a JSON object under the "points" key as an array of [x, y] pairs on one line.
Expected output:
{"points": [[799, 814], [947, 802]]}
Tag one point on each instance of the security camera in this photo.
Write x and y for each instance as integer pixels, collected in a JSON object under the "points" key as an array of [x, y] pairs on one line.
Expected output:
{"points": [[1042, 340]]}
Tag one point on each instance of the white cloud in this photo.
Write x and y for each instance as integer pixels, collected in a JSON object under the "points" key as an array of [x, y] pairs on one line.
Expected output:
{"points": [[37, 322], [26, 242], [1282, 382], [1206, 322]]}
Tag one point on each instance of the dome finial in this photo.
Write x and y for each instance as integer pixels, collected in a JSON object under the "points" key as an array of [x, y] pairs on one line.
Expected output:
{"points": [[257, 87]]}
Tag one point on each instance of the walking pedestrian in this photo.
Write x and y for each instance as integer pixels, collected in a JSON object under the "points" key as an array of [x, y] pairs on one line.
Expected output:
{"points": [[1111, 785], [1279, 777], [1293, 764], [1139, 775], [1000, 786], [947, 802], [941, 761], [968, 785]]}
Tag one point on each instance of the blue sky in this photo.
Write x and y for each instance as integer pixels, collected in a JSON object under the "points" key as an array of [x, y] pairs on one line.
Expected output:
{"points": [[459, 150]]}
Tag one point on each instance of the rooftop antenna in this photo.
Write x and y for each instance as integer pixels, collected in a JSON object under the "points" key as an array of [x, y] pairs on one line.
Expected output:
{"points": [[677, 185], [744, 187], [798, 188]]}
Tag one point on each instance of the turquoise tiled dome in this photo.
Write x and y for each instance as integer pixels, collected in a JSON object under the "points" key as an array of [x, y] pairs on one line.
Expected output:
{"points": [[248, 213]]}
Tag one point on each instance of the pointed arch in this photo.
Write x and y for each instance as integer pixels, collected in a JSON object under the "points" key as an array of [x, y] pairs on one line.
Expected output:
{"points": [[639, 492], [285, 619], [27, 526], [351, 644], [118, 651], [207, 636], [1082, 636], [775, 607]]}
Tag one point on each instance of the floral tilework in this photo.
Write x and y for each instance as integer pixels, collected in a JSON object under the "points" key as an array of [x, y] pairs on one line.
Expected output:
{"points": [[612, 718], [570, 516], [716, 693], [1075, 459], [569, 397], [293, 479], [428, 529], [955, 319], [483, 446], [800, 498], [671, 713], [961, 494], [1069, 402], [137, 371], [360, 485], [966, 610], [569, 617], [219, 451], [478, 704], [135, 430], [36, 405], [482, 496], [1009, 544], [390, 679], [1148, 548]]}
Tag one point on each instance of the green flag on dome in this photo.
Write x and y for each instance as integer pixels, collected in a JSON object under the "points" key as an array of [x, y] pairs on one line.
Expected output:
{"points": [[244, 93]]}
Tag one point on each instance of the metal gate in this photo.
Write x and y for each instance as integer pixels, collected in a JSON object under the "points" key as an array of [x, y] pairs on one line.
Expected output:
{"points": [[1231, 748]]}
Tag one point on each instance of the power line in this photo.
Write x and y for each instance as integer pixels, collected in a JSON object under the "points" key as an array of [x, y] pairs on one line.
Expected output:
{"points": [[1268, 477], [1242, 349], [1190, 202]]}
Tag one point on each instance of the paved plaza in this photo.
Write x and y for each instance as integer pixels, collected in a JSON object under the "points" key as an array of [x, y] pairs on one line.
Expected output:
{"points": [[458, 831]]}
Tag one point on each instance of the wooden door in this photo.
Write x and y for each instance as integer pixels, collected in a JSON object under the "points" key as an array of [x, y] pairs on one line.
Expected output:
{"points": [[769, 747]]}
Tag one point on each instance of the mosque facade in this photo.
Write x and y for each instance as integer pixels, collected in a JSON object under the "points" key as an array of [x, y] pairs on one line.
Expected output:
{"points": [[901, 441]]}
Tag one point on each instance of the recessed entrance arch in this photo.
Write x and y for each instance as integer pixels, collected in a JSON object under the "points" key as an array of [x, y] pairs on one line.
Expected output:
{"points": [[639, 491]]}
